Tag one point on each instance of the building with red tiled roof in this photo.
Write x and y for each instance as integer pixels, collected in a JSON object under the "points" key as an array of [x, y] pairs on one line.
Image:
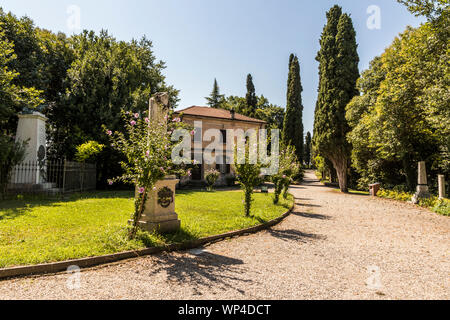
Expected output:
{"points": [[222, 120], [217, 114]]}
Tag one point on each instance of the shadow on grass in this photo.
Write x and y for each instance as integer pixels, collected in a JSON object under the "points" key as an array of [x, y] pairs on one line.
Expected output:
{"points": [[180, 236], [206, 271], [12, 209], [294, 235]]}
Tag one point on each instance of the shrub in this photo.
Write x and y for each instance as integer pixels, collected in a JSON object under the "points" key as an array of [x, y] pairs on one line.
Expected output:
{"points": [[289, 169], [211, 177], [442, 207], [249, 177], [230, 180], [11, 154], [88, 151], [395, 195]]}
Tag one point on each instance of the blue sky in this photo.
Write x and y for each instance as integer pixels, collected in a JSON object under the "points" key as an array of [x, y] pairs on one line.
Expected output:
{"points": [[205, 39]]}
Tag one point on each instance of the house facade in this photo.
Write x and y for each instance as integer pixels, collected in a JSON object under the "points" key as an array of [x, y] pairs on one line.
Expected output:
{"points": [[222, 120]]}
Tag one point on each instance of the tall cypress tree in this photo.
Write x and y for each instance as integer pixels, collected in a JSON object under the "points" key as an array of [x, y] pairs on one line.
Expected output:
{"points": [[308, 148], [338, 69], [251, 98], [216, 99], [293, 121]]}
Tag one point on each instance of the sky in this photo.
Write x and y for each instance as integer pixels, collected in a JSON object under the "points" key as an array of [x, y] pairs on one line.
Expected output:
{"points": [[201, 40]]}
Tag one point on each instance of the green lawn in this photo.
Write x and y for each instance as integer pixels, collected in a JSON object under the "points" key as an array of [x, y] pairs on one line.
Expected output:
{"points": [[41, 231]]}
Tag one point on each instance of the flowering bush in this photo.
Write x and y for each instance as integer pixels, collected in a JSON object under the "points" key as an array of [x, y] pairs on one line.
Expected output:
{"points": [[289, 168], [147, 147], [211, 177]]}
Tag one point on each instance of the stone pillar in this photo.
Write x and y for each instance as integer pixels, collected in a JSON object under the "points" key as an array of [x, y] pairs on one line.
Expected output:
{"points": [[422, 187], [441, 180], [31, 128], [159, 107]]}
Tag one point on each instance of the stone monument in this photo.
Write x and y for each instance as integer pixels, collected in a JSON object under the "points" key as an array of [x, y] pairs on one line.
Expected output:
{"points": [[441, 181], [422, 187], [31, 128], [159, 212]]}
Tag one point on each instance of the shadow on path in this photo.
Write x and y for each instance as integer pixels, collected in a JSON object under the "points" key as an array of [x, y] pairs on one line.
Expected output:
{"points": [[307, 205], [311, 215], [208, 270], [295, 235]]}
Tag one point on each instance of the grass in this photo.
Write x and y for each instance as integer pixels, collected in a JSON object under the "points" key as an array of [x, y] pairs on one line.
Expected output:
{"points": [[441, 207], [85, 225]]}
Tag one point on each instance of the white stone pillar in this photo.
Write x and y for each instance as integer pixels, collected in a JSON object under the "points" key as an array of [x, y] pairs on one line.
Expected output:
{"points": [[441, 180], [31, 128]]}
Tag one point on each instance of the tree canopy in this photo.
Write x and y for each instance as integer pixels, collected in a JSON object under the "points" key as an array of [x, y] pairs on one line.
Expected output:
{"points": [[79, 82], [293, 121], [403, 114], [215, 99]]}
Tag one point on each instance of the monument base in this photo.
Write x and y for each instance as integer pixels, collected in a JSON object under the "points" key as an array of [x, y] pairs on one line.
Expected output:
{"points": [[160, 223], [422, 193], [165, 224]]}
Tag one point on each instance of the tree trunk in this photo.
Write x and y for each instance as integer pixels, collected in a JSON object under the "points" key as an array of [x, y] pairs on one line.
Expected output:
{"points": [[410, 174], [340, 163], [333, 175]]}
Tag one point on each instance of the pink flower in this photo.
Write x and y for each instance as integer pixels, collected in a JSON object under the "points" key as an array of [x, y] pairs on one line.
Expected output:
{"points": [[141, 190], [192, 132], [162, 169], [133, 123], [136, 115], [147, 120], [176, 120], [110, 182], [284, 177], [147, 153], [109, 133]]}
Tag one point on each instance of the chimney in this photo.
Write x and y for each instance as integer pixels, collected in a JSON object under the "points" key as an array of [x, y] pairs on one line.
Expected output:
{"points": [[233, 114]]}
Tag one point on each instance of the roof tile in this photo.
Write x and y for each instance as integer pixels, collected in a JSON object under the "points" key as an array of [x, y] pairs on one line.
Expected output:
{"points": [[216, 113]]}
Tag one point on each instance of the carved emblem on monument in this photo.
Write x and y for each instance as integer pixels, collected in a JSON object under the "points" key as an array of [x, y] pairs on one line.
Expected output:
{"points": [[165, 197]]}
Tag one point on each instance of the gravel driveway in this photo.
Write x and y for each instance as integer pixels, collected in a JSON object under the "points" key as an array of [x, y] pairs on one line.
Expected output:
{"points": [[333, 246]]}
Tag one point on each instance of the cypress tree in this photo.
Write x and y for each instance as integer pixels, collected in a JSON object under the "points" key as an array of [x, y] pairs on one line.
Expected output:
{"points": [[251, 98], [308, 149], [338, 70], [216, 99], [293, 120]]}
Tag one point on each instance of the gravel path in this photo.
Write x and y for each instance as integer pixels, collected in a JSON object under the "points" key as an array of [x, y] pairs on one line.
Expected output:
{"points": [[329, 248]]}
